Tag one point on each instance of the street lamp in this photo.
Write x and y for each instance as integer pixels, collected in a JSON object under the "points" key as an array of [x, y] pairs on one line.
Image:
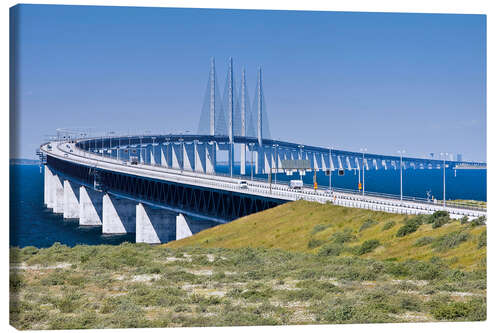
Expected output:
{"points": [[300, 150], [276, 163], [401, 152], [444, 177], [363, 151], [330, 163], [251, 144]]}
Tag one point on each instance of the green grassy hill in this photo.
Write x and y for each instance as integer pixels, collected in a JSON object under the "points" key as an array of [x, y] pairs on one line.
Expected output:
{"points": [[326, 229]]}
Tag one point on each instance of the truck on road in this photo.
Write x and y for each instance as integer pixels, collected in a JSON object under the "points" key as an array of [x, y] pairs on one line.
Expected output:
{"points": [[296, 184]]}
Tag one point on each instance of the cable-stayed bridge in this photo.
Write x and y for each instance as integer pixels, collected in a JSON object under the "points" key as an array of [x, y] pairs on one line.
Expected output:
{"points": [[163, 187]]}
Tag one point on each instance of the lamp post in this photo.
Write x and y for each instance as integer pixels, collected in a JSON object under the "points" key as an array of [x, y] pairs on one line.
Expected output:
{"points": [[330, 163], [300, 149], [153, 147], [251, 144], [363, 151], [276, 163], [401, 152], [444, 177]]}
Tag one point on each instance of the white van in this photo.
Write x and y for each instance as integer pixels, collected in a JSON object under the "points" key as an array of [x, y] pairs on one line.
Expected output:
{"points": [[296, 184], [243, 184]]}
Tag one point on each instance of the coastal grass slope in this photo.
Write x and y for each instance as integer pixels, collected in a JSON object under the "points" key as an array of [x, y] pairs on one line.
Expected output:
{"points": [[333, 230]]}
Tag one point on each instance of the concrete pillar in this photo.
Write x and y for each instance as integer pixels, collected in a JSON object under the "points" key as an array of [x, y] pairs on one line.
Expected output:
{"points": [[268, 159], [154, 226], [210, 157], [71, 207], [57, 194], [187, 226], [90, 207], [47, 187], [176, 156], [243, 155], [118, 215], [199, 157]]}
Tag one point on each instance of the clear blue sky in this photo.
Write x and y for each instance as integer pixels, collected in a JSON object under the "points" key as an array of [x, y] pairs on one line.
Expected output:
{"points": [[348, 80]]}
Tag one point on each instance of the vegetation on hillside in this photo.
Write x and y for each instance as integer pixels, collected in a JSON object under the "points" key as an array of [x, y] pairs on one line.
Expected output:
{"points": [[326, 229], [137, 285], [298, 263]]}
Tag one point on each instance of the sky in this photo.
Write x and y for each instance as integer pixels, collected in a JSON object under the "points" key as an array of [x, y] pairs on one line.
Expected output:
{"points": [[380, 81]]}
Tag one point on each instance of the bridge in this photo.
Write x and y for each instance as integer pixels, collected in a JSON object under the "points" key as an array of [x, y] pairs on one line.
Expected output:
{"points": [[168, 186]]}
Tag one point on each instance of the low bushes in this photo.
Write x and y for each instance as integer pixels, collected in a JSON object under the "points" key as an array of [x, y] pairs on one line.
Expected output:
{"points": [[367, 224], [388, 225], [449, 241], [410, 226], [367, 246], [423, 241]]}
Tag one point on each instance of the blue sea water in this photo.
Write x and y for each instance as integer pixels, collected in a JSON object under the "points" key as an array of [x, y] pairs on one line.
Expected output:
{"points": [[31, 223]]}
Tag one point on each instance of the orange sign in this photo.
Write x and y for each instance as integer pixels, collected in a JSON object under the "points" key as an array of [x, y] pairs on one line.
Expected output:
{"points": [[315, 185], [360, 186]]}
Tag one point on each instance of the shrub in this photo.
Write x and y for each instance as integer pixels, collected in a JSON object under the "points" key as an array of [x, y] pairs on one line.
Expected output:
{"points": [[367, 224], [481, 220], [339, 314], [367, 246], [439, 219], [423, 241], [320, 227], [409, 227], [314, 243], [331, 250], [388, 225], [342, 237], [449, 241], [482, 240], [471, 310], [464, 220]]}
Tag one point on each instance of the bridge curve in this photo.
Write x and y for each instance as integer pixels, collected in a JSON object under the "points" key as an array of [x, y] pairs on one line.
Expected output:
{"points": [[171, 180]]}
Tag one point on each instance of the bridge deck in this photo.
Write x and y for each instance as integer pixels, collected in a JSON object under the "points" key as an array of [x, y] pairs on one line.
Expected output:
{"points": [[68, 151]]}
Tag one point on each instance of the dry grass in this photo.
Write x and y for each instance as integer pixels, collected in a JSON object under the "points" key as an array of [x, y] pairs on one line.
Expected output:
{"points": [[293, 225]]}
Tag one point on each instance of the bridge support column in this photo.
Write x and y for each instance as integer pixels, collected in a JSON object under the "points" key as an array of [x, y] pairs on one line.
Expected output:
{"points": [[71, 209], [188, 157], [90, 207], [187, 226], [243, 158], [47, 187], [200, 157], [210, 157], [154, 226], [176, 155], [57, 194], [118, 215]]}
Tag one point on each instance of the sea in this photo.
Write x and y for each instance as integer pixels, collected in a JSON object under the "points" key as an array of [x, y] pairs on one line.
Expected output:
{"points": [[33, 224]]}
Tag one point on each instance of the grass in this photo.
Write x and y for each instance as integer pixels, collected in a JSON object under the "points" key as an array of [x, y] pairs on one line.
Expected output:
{"points": [[294, 227], [196, 286], [298, 263]]}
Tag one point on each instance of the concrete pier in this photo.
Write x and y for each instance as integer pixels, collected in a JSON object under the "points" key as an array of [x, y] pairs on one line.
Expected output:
{"points": [[118, 215], [154, 226], [90, 207], [57, 194], [47, 186], [187, 226], [71, 207]]}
